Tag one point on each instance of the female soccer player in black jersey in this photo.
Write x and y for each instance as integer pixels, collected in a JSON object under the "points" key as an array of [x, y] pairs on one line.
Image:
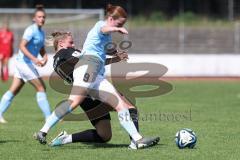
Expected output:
{"points": [[65, 59]]}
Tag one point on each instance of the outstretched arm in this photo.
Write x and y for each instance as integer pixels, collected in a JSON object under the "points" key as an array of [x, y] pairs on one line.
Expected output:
{"points": [[108, 29]]}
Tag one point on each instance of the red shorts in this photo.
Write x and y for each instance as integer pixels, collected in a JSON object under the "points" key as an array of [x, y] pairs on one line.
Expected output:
{"points": [[5, 54]]}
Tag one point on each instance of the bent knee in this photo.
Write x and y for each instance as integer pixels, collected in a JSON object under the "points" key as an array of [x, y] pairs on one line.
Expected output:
{"points": [[40, 88], [106, 137]]}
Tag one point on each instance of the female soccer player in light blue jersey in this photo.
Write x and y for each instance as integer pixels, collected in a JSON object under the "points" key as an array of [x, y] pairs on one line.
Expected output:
{"points": [[31, 45], [89, 79]]}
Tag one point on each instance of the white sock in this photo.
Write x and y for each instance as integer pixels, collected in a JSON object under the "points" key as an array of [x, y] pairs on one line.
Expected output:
{"points": [[67, 139], [128, 125]]}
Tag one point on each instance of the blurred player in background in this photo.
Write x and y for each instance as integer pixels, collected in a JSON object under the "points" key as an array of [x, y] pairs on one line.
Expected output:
{"points": [[97, 112], [31, 45], [6, 49], [89, 78]]}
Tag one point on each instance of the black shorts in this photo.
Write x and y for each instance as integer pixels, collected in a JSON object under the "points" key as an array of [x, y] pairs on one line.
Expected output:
{"points": [[95, 110]]}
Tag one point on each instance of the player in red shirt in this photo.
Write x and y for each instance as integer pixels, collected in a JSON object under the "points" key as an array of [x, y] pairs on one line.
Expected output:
{"points": [[6, 49]]}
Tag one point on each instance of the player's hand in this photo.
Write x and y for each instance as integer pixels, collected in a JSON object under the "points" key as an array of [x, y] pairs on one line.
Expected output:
{"points": [[44, 62], [122, 30], [37, 62], [123, 56]]}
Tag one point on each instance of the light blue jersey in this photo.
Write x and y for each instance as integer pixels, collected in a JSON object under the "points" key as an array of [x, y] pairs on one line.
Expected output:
{"points": [[95, 43], [35, 37]]}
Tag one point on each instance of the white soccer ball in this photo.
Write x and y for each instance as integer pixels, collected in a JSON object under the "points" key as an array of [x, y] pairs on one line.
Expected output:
{"points": [[185, 138]]}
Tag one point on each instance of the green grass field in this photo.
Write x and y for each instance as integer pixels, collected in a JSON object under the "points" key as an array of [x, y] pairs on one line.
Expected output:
{"points": [[210, 108]]}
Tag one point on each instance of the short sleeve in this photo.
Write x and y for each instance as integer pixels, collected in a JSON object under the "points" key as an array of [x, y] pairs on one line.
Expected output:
{"points": [[99, 25], [28, 34]]}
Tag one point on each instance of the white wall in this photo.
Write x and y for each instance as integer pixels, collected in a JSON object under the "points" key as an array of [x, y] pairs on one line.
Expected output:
{"points": [[177, 64]]}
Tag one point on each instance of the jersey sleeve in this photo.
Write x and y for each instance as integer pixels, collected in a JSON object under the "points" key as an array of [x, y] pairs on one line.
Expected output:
{"points": [[28, 34], [99, 26], [64, 64]]}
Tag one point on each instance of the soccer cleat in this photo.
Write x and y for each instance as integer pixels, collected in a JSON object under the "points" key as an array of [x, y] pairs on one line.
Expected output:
{"points": [[147, 142], [58, 141], [2, 120], [41, 137], [132, 145]]}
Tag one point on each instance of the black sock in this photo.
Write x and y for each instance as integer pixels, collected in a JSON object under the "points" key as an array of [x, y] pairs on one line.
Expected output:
{"points": [[134, 115], [90, 135]]}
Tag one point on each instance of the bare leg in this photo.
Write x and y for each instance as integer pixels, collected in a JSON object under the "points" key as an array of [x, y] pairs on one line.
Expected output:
{"points": [[16, 85], [38, 84], [104, 130], [5, 74]]}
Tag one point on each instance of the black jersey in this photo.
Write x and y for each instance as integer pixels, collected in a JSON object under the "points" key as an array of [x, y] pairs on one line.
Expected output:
{"points": [[64, 63]]}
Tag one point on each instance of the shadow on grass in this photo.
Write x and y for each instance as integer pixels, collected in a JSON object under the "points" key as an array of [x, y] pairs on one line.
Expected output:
{"points": [[100, 146], [106, 145], [92, 146], [8, 141]]}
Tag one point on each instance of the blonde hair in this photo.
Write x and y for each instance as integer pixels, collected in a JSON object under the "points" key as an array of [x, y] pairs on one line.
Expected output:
{"points": [[115, 12], [56, 37]]}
